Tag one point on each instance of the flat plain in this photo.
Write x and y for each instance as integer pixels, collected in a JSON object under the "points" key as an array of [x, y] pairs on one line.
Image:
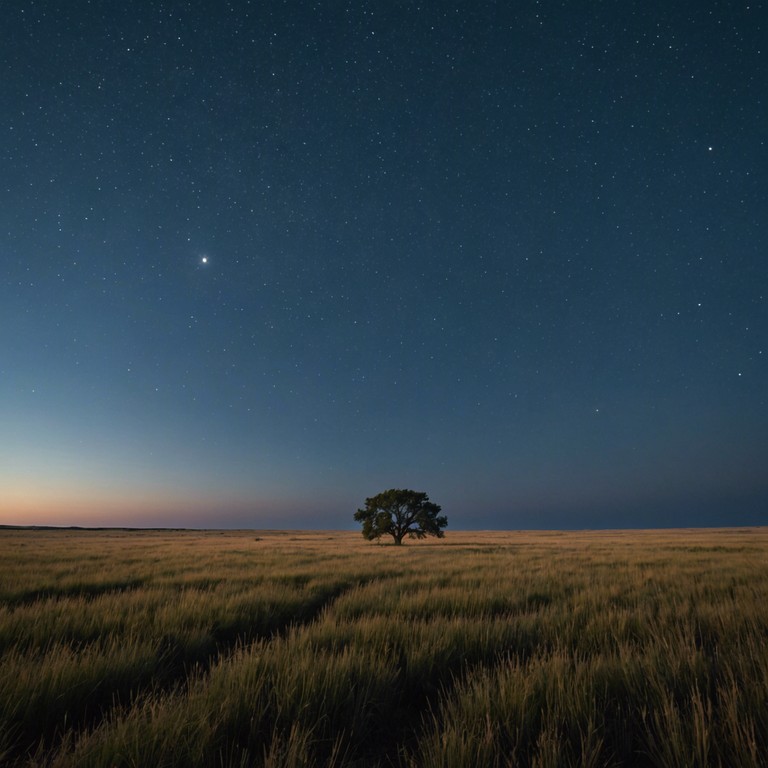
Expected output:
{"points": [[267, 648]]}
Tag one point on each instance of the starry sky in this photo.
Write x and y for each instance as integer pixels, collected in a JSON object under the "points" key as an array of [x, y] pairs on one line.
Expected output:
{"points": [[261, 260]]}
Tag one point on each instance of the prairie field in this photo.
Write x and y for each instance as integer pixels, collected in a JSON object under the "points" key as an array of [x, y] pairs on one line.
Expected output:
{"points": [[264, 648]]}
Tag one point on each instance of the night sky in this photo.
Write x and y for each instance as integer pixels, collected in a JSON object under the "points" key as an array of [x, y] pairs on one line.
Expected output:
{"points": [[261, 260]]}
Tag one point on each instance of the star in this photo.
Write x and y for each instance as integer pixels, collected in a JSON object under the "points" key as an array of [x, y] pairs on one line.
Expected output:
{"points": [[203, 259]]}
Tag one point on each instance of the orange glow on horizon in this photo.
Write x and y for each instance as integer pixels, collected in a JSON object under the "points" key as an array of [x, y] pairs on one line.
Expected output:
{"points": [[161, 508]]}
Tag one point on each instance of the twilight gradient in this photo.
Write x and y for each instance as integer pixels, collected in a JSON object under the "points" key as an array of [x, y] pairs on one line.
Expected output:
{"points": [[260, 262]]}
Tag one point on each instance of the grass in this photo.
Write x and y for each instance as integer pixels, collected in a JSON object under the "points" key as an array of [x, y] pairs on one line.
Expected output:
{"points": [[307, 649]]}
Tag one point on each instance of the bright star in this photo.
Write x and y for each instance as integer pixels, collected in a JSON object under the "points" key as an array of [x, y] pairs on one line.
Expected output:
{"points": [[204, 260]]}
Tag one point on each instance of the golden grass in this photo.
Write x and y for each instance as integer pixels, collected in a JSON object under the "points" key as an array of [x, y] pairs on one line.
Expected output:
{"points": [[182, 648]]}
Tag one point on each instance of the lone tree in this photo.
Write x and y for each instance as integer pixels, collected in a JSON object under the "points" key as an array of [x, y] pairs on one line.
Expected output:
{"points": [[398, 513]]}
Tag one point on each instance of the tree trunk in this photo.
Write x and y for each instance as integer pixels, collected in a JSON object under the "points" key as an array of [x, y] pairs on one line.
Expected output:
{"points": [[398, 539]]}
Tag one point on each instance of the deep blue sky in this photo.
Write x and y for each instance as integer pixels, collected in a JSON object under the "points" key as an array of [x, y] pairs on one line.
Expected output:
{"points": [[511, 254]]}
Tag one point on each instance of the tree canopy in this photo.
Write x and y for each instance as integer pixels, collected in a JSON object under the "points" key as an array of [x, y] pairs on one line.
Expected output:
{"points": [[399, 513]]}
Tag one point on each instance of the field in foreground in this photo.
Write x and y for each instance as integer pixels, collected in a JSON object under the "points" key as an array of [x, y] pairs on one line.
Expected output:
{"points": [[123, 648]]}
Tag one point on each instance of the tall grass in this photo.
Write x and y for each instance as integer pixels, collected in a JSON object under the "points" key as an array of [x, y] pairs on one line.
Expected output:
{"points": [[302, 649]]}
